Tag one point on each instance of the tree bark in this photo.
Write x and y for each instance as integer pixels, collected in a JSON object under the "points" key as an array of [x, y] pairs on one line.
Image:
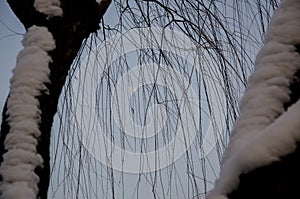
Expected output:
{"points": [[278, 180], [80, 19]]}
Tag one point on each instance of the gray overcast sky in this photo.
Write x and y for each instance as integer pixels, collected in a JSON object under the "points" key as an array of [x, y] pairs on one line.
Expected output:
{"points": [[11, 31]]}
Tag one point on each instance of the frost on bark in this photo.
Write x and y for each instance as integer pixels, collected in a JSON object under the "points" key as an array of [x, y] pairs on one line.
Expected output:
{"points": [[80, 18], [28, 81]]}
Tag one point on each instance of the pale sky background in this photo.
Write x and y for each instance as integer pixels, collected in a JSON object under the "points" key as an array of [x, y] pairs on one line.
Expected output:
{"points": [[11, 31]]}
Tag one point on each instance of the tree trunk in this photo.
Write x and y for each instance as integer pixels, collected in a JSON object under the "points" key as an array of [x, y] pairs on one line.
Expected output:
{"points": [[80, 18], [279, 180]]}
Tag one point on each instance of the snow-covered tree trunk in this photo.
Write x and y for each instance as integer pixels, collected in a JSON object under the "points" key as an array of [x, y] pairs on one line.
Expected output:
{"points": [[38, 79], [263, 157]]}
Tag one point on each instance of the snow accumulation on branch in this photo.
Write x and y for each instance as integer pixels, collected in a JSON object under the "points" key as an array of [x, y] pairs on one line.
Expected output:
{"points": [[265, 132], [28, 81], [49, 7]]}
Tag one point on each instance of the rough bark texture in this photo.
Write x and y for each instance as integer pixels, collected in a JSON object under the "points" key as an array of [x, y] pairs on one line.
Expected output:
{"points": [[279, 180], [80, 18]]}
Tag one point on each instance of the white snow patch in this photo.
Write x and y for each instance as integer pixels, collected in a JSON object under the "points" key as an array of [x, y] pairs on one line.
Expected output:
{"points": [[49, 7], [13, 191], [29, 78], [260, 136]]}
